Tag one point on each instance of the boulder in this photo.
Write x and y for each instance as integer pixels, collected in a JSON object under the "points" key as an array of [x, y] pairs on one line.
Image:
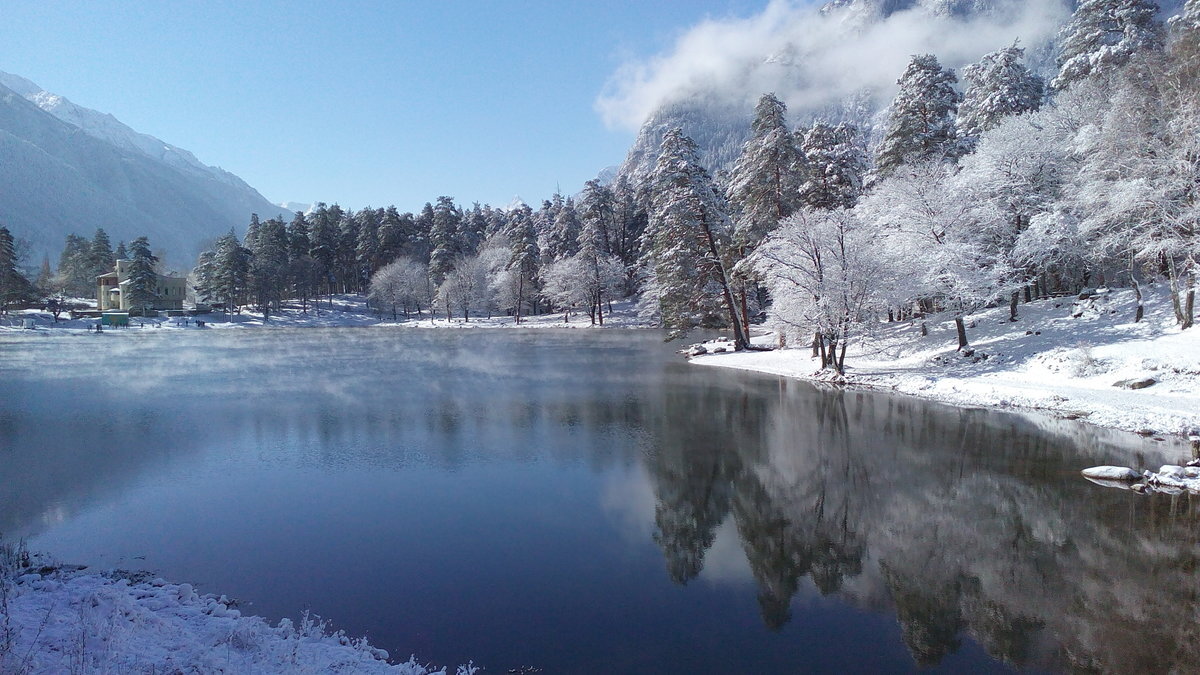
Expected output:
{"points": [[1122, 473], [1136, 383]]}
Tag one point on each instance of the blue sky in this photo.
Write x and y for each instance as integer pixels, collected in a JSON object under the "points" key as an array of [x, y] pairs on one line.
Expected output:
{"points": [[362, 103]]}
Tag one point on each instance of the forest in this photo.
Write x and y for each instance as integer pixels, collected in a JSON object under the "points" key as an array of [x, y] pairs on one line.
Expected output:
{"points": [[993, 186]]}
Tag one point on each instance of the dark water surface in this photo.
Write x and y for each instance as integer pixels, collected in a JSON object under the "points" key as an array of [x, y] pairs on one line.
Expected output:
{"points": [[585, 502]]}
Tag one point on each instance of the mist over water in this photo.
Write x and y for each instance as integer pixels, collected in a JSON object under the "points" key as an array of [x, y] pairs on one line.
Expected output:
{"points": [[587, 502]]}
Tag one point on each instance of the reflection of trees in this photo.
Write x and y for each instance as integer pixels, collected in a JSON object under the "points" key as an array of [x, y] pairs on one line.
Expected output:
{"points": [[965, 523]]}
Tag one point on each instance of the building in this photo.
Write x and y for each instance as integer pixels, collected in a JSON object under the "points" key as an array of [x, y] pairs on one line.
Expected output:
{"points": [[111, 290]]}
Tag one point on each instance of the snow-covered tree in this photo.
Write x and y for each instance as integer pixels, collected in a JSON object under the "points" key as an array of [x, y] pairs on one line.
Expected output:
{"points": [[920, 122], [230, 271], [398, 286], [1104, 35], [927, 231], [764, 184], [465, 286], [998, 86], [560, 239], [100, 254], [522, 264], [835, 163], [685, 242], [823, 276], [444, 237]]}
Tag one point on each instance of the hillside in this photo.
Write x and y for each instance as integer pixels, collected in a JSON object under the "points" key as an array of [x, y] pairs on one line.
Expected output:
{"points": [[65, 168]]}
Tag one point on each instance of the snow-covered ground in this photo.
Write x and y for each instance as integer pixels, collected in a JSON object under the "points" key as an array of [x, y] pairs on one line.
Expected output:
{"points": [[1063, 355], [345, 310], [68, 620]]}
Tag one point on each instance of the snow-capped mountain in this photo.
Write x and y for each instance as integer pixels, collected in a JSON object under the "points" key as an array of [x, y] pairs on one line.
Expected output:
{"points": [[839, 61], [65, 168]]}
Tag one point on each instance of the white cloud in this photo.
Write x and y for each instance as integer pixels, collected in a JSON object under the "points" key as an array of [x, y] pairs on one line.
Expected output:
{"points": [[810, 60]]}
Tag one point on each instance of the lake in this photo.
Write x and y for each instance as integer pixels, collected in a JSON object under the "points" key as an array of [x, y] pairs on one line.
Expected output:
{"points": [[585, 501]]}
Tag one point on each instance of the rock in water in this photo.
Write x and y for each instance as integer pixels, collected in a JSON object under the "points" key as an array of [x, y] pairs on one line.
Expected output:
{"points": [[1112, 473]]}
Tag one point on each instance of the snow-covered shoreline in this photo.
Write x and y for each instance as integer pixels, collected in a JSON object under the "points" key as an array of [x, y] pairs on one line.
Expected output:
{"points": [[1071, 358], [56, 619], [344, 311]]}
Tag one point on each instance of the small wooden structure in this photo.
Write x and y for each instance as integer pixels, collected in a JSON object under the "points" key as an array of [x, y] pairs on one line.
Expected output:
{"points": [[114, 319]]}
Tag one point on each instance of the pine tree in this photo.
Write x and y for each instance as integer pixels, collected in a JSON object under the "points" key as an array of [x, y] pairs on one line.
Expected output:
{"points": [[268, 273], [368, 250], [142, 289], [523, 258], [997, 86], [561, 240], [684, 241], [231, 271], [764, 185], [121, 253], [100, 254], [835, 163], [1103, 35], [14, 287], [75, 267], [45, 277], [920, 122], [443, 234], [323, 246]]}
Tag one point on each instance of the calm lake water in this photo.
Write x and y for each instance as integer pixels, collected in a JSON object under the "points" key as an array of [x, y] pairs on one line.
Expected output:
{"points": [[586, 502]]}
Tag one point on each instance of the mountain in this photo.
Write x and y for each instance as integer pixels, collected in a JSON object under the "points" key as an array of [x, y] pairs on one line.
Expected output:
{"points": [[65, 168], [838, 62]]}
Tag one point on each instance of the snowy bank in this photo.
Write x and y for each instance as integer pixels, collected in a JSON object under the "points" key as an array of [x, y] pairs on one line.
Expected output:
{"points": [[343, 311], [1081, 359], [63, 619]]}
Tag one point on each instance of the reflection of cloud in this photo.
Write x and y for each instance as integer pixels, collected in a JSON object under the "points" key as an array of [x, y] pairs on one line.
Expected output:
{"points": [[810, 60], [725, 562], [628, 496]]}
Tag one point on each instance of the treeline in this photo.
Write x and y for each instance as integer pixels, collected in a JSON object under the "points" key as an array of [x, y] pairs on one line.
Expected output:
{"points": [[446, 258], [1008, 190]]}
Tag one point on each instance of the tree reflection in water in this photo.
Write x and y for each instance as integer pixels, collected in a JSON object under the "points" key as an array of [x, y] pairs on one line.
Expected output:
{"points": [[963, 523]]}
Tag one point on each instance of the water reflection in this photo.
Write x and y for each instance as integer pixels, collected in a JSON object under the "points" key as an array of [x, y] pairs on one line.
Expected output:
{"points": [[565, 462], [961, 522]]}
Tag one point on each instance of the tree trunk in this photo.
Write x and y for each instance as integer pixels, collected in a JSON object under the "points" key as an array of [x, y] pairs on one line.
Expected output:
{"points": [[1189, 305], [816, 345], [1137, 292], [841, 362], [962, 331], [739, 337], [1012, 305]]}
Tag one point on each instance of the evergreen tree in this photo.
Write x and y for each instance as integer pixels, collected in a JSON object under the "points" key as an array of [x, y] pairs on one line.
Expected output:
{"points": [[14, 287], [997, 86], [121, 253], [1103, 35], [323, 246], [75, 267], [688, 228], [142, 289], [473, 229], [561, 240], [920, 123], [231, 271], [835, 163], [523, 259], [45, 277], [764, 185], [302, 269], [368, 251], [444, 236], [268, 273], [100, 254]]}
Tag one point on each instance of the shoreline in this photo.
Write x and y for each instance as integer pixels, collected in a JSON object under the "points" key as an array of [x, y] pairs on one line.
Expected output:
{"points": [[65, 618], [1057, 360]]}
